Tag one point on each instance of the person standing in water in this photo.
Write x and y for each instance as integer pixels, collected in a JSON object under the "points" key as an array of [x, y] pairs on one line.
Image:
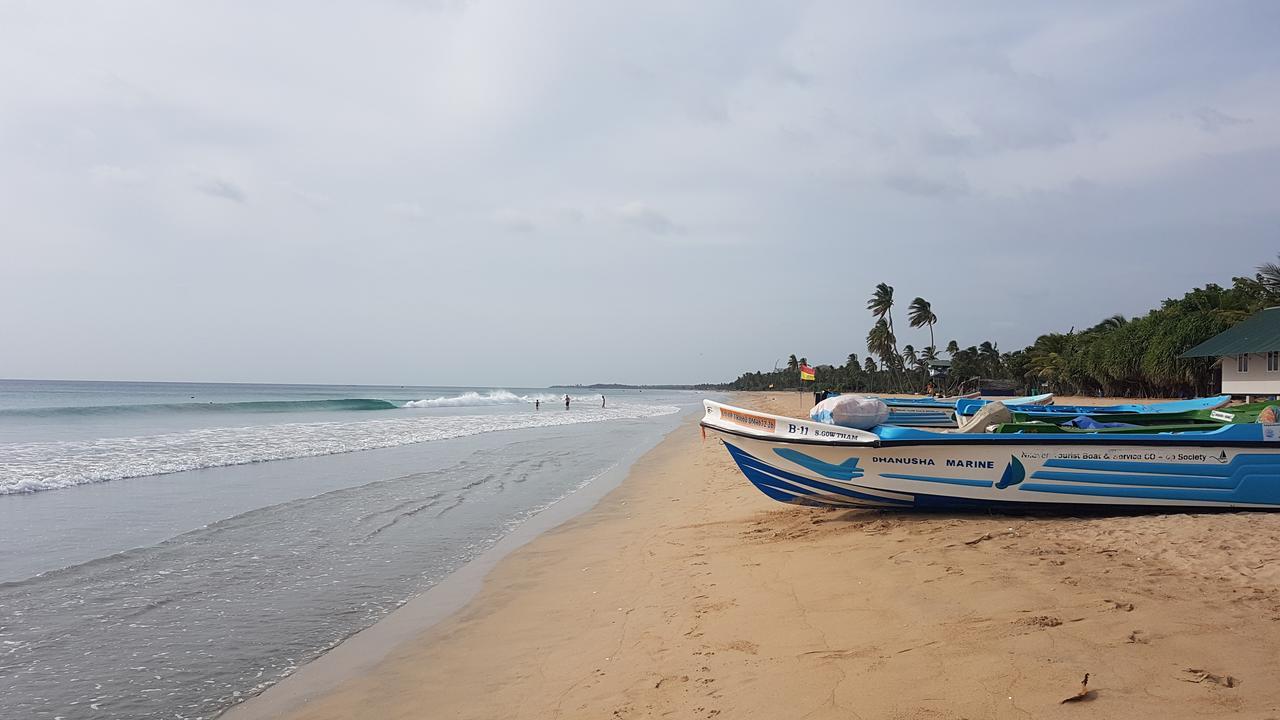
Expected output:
{"points": [[602, 401], [537, 404], [566, 402]]}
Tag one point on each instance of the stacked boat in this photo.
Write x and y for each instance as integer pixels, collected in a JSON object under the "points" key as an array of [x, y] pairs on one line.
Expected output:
{"points": [[1198, 453], [942, 412]]}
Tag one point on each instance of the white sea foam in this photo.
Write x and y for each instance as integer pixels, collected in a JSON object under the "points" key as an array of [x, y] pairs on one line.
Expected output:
{"points": [[495, 397], [32, 467]]}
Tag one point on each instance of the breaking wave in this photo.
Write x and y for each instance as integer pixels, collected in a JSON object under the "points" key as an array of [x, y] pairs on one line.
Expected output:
{"points": [[37, 466], [252, 406], [494, 397], [467, 399]]}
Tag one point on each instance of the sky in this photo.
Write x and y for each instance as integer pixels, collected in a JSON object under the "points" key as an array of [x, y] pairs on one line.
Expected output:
{"points": [[527, 193]]}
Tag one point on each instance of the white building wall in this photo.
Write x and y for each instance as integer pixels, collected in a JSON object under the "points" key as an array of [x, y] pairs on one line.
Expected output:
{"points": [[1258, 381]]}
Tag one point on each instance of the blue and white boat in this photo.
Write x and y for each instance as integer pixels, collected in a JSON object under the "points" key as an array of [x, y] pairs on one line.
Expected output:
{"points": [[811, 463], [926, 402], [970, 406], [951, 402], [941, 412]]}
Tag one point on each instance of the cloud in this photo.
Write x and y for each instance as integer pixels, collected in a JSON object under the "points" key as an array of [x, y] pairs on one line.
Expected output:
{"points": [[221, 188], [788, 74], [642, 217], [407, 209], [514, 221], [994, 138], [313, 199], [115, 175], [944, 143], [924, 186], [1211, 120], [569, 216]]}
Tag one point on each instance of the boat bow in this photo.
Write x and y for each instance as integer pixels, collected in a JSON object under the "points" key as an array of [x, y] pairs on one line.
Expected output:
{"points": [[777, 428]]}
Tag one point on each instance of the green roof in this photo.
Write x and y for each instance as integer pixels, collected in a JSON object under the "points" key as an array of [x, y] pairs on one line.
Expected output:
{"points": [[1259, 334]]}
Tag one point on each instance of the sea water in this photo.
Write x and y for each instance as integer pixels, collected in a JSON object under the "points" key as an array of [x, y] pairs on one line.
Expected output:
{"points": [[168, 549]]}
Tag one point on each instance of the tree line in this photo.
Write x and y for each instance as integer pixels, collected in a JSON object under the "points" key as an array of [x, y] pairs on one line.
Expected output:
{"points": [[1128, 357]]}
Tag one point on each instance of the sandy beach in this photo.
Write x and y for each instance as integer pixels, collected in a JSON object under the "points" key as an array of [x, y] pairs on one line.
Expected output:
{"points": [[686, 593]]}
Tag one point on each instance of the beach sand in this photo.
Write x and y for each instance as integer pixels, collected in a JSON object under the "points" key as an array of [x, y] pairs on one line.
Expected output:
{"points": [[688, 594]]}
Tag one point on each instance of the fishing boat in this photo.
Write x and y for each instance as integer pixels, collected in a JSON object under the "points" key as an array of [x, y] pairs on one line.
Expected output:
{"points": [[950, 403], [969, 407], [1130, 423], [941, 412], [1235, 465], [927, 402]]}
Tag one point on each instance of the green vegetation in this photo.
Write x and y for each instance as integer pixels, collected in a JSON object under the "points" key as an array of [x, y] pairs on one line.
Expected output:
{"points": [[1136, 357]]}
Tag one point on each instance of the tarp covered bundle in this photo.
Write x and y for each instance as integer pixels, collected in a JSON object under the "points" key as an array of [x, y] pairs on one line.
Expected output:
{"points": [[851, 411]]}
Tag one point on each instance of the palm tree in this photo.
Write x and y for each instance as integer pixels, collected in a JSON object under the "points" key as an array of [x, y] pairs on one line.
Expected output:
{"points": [[915, 365], [881, 343], [1112, 323], [928, 356], [881, 305], [990, 355], [853, 360], [869, 365], [1269, 276], [792, 363], [909, 356], [953, 347], [1047, 361], [920, 313]]}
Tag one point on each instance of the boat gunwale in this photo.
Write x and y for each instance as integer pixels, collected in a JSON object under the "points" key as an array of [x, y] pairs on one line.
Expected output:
{"points": [[1005, 439]]}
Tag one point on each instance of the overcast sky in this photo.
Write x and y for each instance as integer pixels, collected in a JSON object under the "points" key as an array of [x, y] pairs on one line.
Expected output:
{"points": [[524, 193]]}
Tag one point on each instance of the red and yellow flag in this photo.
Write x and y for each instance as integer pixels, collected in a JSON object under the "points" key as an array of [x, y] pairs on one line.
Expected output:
{"points": [[806, 372]]}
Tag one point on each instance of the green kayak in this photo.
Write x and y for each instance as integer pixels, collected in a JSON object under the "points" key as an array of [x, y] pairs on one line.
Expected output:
{"points": [[1139, 423]]}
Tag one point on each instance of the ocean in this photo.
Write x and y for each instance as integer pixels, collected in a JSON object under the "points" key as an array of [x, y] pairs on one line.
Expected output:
{"points": [[170, 549]]}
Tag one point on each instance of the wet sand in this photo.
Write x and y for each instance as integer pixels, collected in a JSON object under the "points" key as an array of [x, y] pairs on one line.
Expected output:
{"points": [[688, 594]]}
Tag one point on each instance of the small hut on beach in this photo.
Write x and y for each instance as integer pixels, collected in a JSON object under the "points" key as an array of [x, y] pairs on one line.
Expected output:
{"points": [[1249, 354]]}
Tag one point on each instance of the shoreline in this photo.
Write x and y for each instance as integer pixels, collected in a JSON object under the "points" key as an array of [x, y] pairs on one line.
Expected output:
{"points": [[364, 649], [685, 592]]}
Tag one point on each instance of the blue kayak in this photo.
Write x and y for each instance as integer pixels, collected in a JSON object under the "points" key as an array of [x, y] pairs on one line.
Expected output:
{"points": [[920, 403], [969, 407], [953, 403], [939, 412]]}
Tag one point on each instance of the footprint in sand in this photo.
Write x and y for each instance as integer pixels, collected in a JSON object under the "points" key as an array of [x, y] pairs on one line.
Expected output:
{"points": [[1041, 621], [671, 679], [1196, 675]]}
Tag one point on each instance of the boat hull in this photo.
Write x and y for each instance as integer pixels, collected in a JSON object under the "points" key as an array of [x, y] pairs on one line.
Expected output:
{"points": [[1010, 476]]}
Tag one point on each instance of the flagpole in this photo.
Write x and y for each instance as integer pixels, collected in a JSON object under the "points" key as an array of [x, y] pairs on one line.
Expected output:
{"points": [[812, 377]]}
